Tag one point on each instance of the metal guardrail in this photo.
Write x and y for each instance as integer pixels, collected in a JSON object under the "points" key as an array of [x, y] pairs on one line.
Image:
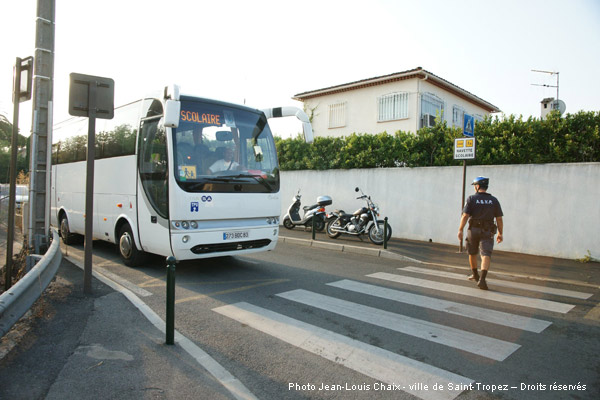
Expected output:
{"points": [[15, 302]]}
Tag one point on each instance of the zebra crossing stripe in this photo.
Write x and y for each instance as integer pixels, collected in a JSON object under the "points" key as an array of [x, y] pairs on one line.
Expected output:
{"points": [[498, 282], [474, 343], [372, 361], [464, 310], [507, 298]]}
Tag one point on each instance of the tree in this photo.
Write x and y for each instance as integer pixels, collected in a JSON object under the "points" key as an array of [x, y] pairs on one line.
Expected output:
{"points": [[5, 143]]}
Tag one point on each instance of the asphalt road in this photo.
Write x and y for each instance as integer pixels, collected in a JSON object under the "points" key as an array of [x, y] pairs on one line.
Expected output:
{"points": [[303, 322]]}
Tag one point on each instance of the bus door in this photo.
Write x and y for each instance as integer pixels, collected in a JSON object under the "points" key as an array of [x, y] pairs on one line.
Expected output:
{"points": [[152, 189]]}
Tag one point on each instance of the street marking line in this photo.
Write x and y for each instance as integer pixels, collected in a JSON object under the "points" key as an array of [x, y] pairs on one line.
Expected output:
{"points": [[497, 282], [594, 313], [123, 282], [224, 377], [154, 282], [234, 290], [450, 307], [539, 304], [377, 363], [474, 343], [202, 283], [523, 276]]}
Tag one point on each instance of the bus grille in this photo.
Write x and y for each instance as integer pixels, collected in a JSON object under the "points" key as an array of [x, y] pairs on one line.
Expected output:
{"points": [[222, 247]]}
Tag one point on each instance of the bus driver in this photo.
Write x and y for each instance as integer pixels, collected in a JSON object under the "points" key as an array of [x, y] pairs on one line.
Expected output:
{"points": [[226, 163]]}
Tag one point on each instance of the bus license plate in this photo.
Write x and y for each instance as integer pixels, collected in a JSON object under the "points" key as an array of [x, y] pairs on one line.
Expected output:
{"points": [[235, 235]]}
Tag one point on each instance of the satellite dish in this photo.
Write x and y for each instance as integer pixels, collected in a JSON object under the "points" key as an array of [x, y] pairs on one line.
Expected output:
{"points": [[559, 105]]}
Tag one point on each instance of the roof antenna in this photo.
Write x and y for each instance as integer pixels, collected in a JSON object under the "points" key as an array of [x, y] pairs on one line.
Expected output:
{"points": [[551, 73], [556, 104]]}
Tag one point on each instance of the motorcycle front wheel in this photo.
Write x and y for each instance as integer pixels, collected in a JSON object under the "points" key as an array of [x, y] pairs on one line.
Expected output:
{"points": [[377, 237], [333, 223], [288, 223]]}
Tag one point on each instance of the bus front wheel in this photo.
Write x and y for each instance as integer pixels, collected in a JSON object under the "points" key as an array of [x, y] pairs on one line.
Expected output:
{"points": [[68, 238], [132, 257]]}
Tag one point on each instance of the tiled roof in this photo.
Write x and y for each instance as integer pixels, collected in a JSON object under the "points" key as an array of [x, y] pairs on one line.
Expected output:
{"points": [[418, 73]]}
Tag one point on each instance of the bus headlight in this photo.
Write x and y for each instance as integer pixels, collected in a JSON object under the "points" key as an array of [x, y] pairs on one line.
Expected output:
{"points": [[185, 239], [185, 224]]}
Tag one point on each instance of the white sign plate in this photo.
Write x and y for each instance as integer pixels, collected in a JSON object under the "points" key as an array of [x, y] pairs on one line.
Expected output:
{"points": [[464, 148]]}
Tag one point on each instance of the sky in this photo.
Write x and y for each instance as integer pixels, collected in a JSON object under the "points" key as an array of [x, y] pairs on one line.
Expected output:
{"points": [[263, 52]]}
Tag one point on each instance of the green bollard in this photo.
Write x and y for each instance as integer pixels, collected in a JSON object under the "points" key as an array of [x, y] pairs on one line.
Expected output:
{"points": [[385, 231], [170, 300]]}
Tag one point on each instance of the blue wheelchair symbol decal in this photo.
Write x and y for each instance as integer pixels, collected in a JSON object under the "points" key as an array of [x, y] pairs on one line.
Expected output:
{"points": [[194, 206]]}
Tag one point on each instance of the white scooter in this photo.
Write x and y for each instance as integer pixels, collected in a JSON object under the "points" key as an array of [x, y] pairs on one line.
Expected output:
{"points": [[316, 211]]}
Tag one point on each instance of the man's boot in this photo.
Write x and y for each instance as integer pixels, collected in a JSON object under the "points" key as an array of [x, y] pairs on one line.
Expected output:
{"points": [[482, 285], [474, 275]]}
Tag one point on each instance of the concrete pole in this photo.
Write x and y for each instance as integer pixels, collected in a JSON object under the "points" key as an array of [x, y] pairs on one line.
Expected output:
{"points": [[41, 130]]}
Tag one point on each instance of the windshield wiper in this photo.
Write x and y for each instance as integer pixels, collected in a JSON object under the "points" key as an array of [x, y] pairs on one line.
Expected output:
{"points": [[232, 178], [257, 178], [196, 186], [217, 178]]}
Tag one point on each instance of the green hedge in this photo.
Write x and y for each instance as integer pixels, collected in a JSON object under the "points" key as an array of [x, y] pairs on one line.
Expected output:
{"points": [[572, 138]]}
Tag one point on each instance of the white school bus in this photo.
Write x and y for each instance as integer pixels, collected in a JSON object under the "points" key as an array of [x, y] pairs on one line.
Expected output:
{"points": [[178, 175]]}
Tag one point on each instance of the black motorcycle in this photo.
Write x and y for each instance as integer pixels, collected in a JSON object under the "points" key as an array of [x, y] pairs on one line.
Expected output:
{"points": [[364, 220]]}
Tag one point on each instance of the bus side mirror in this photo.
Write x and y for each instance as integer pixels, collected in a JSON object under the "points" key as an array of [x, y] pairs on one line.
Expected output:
{"points": [[308, 132], [172, 110], [289, 112]]}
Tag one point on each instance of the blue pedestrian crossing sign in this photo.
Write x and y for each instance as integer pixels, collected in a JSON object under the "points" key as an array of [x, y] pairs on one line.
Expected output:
{"points": [[469, 126]]}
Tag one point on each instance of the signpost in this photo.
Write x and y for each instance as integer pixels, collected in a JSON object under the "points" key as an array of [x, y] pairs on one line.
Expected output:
{"points": [[92, 97], [21, 92], [464, 149], [469, 126]]}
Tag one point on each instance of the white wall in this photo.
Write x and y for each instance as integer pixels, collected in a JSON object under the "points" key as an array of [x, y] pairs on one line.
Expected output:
{"points": [[549, 209]]}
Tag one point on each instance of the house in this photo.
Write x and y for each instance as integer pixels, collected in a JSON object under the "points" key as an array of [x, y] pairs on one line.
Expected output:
{"points": [[549, 105], [405, 101]]}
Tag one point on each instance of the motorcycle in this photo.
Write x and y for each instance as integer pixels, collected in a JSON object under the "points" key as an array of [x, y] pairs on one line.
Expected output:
{"points": [[363, 220], [316, 211]]}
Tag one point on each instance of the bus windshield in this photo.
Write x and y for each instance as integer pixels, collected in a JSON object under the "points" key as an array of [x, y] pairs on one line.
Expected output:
{"points": [[223, 148]]}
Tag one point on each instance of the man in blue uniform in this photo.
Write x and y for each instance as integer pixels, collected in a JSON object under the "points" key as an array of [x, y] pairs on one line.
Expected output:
{"points": [[480, 211]]}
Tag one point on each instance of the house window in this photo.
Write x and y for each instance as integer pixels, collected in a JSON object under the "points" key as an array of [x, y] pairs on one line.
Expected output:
{"points": [[431, 106], [392, 106], [458, 116], [337, 115]]}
